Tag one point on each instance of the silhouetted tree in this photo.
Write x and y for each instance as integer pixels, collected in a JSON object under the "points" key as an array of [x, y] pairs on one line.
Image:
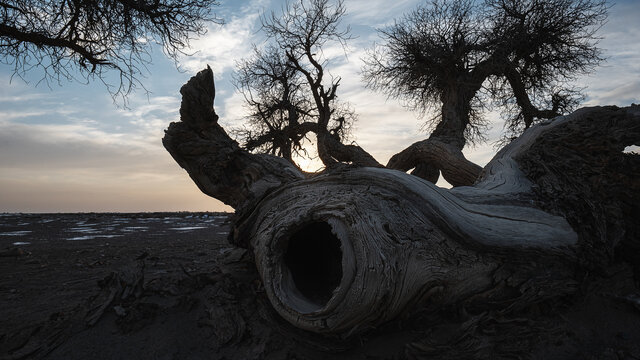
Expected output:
{"points": [[517, 53], [287, 88], [282, 112], [277, 107], [86, 38]]}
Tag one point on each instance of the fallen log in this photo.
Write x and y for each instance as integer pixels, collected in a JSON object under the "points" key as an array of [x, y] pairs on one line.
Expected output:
{"points": [[354, 247]]}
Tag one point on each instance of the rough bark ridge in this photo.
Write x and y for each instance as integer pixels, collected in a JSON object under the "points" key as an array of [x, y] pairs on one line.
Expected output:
{"points": [[215, 162], [402, 242], [582, 173], [442, 151], [437, 155], [353, 248]]}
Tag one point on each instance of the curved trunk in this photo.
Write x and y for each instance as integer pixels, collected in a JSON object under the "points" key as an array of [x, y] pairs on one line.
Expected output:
{"points": [[337, 152], [434, 154], [332, 152], [442, 151], [352, 248], [359, 247], [214, 161], [456, 107]]}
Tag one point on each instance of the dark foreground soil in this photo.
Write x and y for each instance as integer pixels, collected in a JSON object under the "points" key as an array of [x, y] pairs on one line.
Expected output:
{"points": [[169, 286]]}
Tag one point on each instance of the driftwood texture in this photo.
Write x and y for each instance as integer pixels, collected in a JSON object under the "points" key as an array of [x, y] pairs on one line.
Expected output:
{"points": [[352, 248], [214, 161]]}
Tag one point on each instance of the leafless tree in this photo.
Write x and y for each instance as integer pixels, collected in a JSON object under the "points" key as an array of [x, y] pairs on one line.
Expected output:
{"points": [[289, 91], [86, 39], [273, 95], [465, 54], [282, 112]]}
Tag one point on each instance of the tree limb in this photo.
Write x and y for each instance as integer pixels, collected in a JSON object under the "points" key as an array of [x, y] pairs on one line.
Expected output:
{"points": [[456, 169], [215, 162], [529, 111]]}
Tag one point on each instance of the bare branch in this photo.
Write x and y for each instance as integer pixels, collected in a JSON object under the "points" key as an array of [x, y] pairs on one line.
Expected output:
{"points": [[443, 52], [285, 85], [88, 40]]}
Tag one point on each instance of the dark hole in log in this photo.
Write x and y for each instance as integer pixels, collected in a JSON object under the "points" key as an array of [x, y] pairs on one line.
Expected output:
{"points": [[314, 259]]}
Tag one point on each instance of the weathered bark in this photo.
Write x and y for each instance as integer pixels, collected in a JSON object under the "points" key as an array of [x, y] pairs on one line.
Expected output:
{"points": [[442, 151], [396, 241], [352, 248], [335, 152], [581, 172], [435, 154], [214, 161], [455, 112]]}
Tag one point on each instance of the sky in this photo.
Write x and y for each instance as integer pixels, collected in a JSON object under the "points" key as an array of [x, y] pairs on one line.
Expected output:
{"points": [[69, 148]]}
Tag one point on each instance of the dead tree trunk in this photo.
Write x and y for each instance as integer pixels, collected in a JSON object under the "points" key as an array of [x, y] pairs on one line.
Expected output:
{"points": [[352, 248], [442, 151], [439, 156], [215, 162]]}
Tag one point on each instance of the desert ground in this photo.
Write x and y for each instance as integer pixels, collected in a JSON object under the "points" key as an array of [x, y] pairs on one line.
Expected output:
{"points": [[169, 286]]}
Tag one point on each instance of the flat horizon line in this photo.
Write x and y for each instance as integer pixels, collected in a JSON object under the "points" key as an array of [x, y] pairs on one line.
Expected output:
{"points": [[4, 213]]}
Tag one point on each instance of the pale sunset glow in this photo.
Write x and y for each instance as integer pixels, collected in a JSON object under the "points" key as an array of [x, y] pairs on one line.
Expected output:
{"points": [[69, 148]]}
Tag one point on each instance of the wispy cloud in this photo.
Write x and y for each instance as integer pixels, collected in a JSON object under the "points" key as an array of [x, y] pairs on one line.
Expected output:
{"points": [[77, 163], [378, 12], [225, 44], [5, 98], [617, 80], [70, 149], [80, 168]]}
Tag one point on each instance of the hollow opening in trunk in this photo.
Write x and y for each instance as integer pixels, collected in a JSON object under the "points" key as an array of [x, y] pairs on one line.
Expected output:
{"points": [[314, 259]]}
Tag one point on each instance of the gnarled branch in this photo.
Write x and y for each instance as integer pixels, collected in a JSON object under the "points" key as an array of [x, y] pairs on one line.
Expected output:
{"points": [[214, 161], [429, 153]]}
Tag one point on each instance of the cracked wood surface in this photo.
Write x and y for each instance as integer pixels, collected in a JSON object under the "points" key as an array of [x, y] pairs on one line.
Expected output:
{"points": [[405, 243]]}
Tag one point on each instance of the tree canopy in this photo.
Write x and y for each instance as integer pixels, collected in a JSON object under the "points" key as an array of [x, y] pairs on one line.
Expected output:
{"points": [[282, 112], [289, 91], [465, 55], [84, 39]]}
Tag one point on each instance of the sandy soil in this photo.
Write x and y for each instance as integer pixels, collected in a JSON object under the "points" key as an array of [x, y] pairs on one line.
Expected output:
{"points": [[50, 264], [169, 286]]}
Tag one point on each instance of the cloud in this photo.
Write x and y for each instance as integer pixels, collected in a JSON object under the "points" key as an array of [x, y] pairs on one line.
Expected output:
{"points": [[77, 163], [621, 93], [78, 168], [63, 146], [378, 12], [617, 80], [11, 115], [5, 98], [224, 44], [70, 149]]}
